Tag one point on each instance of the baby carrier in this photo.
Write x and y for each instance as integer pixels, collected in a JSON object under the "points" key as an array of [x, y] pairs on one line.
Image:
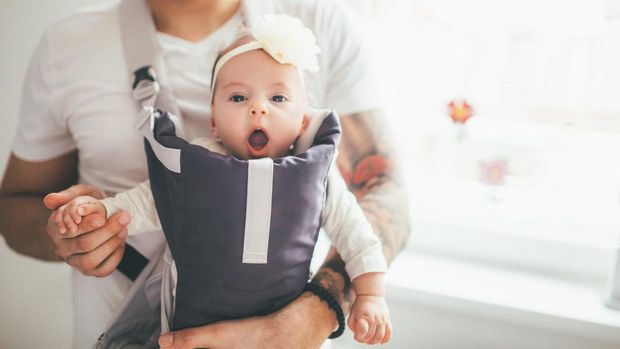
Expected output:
{"points": [[240, 233]]}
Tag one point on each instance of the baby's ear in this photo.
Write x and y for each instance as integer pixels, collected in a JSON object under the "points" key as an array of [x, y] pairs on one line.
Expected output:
{"points": [[304, 124], [213, 127]]}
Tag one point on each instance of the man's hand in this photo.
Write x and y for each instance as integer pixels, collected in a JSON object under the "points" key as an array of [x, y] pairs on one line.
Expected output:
{"points": [[97, 247], [304, 323]]}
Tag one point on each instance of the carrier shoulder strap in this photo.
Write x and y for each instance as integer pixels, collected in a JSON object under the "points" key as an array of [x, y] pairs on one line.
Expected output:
{"points": [[143, 57], [149, 89]]}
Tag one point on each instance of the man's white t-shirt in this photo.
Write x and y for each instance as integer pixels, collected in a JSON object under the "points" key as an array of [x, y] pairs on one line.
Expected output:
{"points": [[77, 96]]}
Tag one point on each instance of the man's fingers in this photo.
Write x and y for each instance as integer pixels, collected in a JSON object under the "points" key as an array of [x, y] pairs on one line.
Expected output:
{"points": [[55, 200], [108, 266], [96, 220], [197, 337], [87, 241], [88, 262]]}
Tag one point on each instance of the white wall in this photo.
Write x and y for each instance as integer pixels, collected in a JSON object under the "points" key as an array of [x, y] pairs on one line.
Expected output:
{"points": [[34, 296]]}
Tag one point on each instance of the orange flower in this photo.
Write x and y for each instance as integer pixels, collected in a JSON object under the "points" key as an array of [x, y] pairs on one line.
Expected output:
{"points": [[460, 112]]}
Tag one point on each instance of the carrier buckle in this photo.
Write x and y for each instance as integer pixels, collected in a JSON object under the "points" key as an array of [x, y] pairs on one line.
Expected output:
{"points": [[145, 83]]}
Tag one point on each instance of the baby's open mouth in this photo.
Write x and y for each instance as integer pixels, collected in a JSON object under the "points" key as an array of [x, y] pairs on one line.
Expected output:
{"points": [[258, 139]]}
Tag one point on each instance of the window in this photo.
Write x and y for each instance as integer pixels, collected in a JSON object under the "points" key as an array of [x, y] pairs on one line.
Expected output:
{"points": [[532, 180]]}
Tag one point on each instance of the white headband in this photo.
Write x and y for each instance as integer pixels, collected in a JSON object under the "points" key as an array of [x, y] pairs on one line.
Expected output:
{"points": [[284, 38]]}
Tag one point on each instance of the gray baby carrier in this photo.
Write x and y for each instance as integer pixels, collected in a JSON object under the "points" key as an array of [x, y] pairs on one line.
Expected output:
{"points": [[241, 233]]}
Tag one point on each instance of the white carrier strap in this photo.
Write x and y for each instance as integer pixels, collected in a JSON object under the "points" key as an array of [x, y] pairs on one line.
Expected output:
{"points": [[150, 89], [143, 57]]}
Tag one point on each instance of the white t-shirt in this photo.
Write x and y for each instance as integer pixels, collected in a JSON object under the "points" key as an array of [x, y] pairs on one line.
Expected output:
{"points": [[77, 95]]}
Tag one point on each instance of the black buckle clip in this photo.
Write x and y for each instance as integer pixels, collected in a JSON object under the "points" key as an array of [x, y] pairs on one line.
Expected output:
{"points": [[145, 83]]}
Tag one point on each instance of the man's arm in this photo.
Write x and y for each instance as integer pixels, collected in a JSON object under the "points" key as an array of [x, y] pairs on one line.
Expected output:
{"points": [[98, 245], [23, 217], [369, 167]]}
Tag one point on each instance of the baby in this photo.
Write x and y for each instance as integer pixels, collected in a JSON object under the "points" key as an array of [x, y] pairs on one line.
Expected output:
{"points": [[259, 108]]}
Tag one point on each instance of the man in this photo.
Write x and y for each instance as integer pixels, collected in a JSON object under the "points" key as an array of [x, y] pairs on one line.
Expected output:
{"points": [[77, 98]]}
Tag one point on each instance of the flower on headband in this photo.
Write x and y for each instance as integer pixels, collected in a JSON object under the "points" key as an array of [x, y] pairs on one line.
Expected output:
{"points": [[287, 40]]}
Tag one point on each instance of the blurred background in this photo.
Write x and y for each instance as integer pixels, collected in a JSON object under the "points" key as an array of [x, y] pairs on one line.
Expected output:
{"points": [[506, 115]]}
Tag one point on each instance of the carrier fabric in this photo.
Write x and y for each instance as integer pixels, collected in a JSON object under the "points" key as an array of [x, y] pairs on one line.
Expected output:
{"points": [[202, 210]]}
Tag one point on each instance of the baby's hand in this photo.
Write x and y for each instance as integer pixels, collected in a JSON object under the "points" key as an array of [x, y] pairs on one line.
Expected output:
{"points": [[70, 214], [370, 320]]}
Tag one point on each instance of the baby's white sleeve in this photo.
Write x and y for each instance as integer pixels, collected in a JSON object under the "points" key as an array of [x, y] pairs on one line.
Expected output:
{"points": [[139, 203], [344, 222]]}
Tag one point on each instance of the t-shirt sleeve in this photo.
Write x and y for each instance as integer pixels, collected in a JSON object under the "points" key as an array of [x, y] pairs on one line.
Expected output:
{"points": [[352, 82], [42, 133]]}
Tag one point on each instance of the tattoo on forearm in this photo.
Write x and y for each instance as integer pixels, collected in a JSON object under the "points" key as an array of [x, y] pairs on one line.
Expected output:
{"points": [[368, 166]]}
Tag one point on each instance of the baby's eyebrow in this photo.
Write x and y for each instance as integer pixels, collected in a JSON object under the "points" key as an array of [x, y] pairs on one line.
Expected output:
{"points": [[280, 85], [234, 83]]}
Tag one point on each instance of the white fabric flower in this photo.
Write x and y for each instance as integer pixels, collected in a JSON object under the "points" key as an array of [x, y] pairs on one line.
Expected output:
{"points": [[287, 40]]}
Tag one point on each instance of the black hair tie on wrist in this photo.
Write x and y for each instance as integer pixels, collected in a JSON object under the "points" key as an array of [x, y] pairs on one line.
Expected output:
{"points": [[333, 304]]}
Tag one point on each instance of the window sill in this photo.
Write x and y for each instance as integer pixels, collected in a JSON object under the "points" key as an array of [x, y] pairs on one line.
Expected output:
{"points": [[508, 295]]}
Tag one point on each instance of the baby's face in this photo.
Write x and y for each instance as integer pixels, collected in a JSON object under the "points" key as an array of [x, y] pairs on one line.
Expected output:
{"points": [[258, 107]]}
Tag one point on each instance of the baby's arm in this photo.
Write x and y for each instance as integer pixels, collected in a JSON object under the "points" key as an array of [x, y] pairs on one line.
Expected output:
{"points": [[352, 235], [138, 202]]}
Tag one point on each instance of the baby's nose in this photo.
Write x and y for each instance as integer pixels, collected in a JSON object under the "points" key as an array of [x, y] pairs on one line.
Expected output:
{"points": [[259, 109]]}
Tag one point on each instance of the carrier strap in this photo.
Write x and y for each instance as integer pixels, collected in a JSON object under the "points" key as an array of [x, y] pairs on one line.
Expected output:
{"points": [[145, 63], [133, 263], [147, 75]]}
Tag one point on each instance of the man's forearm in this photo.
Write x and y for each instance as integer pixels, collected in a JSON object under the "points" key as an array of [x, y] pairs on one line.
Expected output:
{"points": [[23, 219], [368, 165]]}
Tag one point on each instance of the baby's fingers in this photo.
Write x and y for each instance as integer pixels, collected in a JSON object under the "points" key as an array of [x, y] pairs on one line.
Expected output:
{"points": [[388, 333], [72, 210], [379, 334], [372, 329], [361, 329], [68, 219], [86, 209]]}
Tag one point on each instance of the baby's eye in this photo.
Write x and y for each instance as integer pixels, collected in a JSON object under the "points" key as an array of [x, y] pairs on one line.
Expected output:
{"points": [[278, 98], [237, 98]]}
